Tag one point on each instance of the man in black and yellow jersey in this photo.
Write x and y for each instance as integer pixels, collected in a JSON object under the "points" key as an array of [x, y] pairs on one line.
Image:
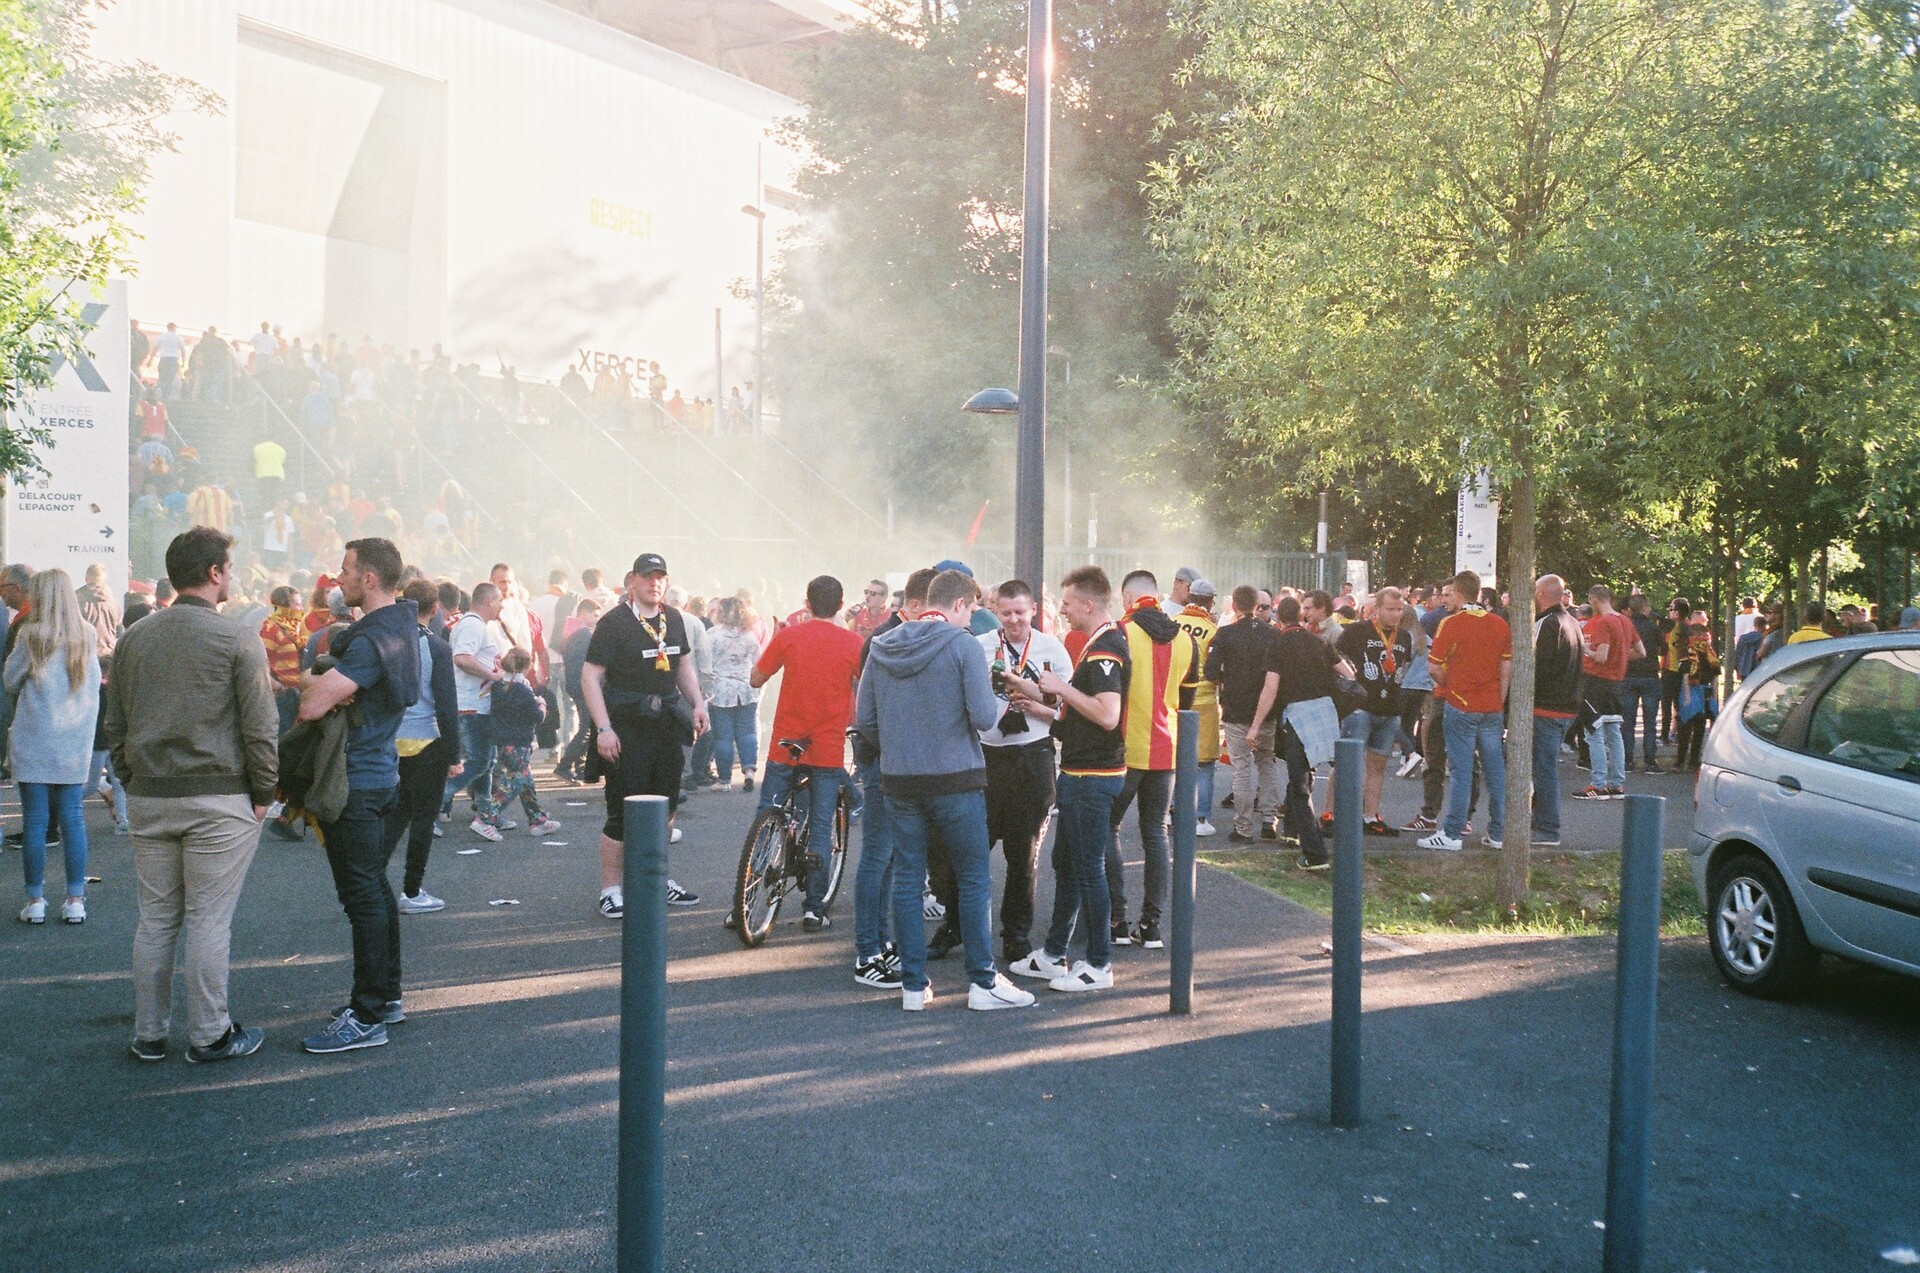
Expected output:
{"points": [[1165, 674], [1197, 620], [1093, 767]]}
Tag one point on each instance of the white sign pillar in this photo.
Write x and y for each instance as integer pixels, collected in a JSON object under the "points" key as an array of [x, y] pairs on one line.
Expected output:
{"points": [[1476, 532], [74, 513]]}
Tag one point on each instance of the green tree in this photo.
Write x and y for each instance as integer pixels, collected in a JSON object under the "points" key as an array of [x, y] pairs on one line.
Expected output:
{"points": [[902, 292], [76, 136], [1464, 236]]}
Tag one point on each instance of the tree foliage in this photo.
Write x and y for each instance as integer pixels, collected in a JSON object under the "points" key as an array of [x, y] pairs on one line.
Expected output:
{"points": [[903, 290], [76, 136], [1580, 243]]}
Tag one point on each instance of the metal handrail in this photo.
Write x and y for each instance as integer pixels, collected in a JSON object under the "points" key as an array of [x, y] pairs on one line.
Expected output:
{"points": [[715, 456], [304, 440], [539, 459], [821, 477], [601, 429]]}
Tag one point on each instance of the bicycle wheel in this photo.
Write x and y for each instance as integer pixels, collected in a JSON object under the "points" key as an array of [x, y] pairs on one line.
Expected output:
{"points": [[837, 859], [762, 882]]}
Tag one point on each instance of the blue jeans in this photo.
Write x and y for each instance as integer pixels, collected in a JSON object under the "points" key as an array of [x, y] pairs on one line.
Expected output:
{"points": [[1154, 787], [734, 734], [36, 800], [102, 767], [1203, 790], [476, 744], [1080, 841], [873, 879], [960, 820], [825, 791], [1609, 752], [1640, 695], [1468, 734], [1548, 734]]}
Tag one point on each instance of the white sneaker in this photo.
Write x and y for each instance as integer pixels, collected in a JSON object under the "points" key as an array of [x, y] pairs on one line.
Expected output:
{"points": [[34, 912], [1039, 965], [930, 907], [74, 910], [1412, 765], [613, 903], [1001, 994], [1203, 829], [673, 836], [1442, 841], [485, 831], [546, 826], [916, 1000], [1492, 843], [1084, 977], [420, 903]]}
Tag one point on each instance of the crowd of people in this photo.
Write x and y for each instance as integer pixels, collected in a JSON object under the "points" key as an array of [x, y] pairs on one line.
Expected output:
{"points": [[960, 717]]}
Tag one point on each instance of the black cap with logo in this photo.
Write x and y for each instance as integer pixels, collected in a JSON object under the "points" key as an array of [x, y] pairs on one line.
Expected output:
{"points": [[649, 564]]}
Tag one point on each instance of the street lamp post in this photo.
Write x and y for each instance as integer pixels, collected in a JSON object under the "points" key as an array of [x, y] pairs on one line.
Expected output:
{"points": [[1030, 466], [759, 216], [1030, 472]]}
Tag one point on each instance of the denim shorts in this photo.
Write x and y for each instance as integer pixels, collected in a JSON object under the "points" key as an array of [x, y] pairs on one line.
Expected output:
{"points": [[1377, 732]]}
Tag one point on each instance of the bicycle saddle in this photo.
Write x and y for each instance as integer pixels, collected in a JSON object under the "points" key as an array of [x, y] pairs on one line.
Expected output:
{"points": [[796, 746]]}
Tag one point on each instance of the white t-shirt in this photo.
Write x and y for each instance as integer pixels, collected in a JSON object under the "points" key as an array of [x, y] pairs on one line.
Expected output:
{"points": [[473, 636], [361, 384], [1743, 624], [169, 345], [513, 627], [264, 344], [1041, 651], [278, 533]]}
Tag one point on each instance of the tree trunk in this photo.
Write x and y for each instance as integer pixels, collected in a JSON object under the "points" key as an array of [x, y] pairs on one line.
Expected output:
{"points": [[1511, 889]]}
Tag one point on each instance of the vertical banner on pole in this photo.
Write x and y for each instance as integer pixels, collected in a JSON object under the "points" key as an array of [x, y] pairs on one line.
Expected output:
{"points": [[641, 1242], [75, 512], [1186, 793], [1476, 530]]}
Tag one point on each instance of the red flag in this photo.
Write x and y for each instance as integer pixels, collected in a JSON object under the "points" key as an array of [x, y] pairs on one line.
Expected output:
{"points": [[978, 518]]}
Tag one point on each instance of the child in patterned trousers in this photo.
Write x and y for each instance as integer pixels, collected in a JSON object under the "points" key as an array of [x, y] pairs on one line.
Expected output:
{"points": [[516, 715]]}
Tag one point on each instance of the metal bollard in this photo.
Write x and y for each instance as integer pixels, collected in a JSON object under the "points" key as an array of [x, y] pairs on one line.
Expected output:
{"points": [[642, 1235], [1349, 771], [1630, 1123], [1186, 794]]}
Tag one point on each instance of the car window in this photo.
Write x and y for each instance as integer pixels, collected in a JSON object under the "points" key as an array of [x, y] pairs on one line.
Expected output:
{"points": [[1769, 705], [1871, 715]]}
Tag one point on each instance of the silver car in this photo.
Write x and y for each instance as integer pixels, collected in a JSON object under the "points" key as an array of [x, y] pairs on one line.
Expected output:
{"points": [[1807, 813]]}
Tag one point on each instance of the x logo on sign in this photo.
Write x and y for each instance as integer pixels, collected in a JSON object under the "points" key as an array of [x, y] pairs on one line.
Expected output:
{"points": [[83, 365]]}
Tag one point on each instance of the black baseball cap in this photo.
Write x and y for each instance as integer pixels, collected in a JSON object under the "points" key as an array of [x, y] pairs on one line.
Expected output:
{"points": [[649, 564]]}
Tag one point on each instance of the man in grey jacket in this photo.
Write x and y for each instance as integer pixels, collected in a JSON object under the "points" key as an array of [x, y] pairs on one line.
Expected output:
{"points": [[924, 700], [193, 731]]}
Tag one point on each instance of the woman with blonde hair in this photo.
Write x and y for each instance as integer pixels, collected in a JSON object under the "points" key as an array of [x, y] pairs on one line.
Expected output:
{"points": [[735, 703], [54, 676]]}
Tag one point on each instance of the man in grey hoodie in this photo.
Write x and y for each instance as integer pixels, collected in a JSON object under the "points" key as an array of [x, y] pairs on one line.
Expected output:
{"points": [[924, 700]]}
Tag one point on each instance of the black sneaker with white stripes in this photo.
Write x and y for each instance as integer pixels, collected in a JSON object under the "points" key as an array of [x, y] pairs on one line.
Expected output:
{"points": [[677, 896], [878, 972]]}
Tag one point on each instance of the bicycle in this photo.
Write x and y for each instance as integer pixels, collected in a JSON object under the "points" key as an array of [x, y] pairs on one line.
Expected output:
{"points": [[775, 859]]}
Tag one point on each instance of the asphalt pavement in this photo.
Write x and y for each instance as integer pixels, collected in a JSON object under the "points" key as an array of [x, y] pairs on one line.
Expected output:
{"points": [[812, 1122]]}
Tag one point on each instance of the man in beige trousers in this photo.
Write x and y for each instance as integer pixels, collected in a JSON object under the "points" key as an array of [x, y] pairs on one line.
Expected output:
{"points": [[194, 734]]}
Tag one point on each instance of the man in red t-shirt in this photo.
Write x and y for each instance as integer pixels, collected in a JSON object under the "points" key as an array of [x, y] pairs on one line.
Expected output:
{"points": [[821, 661], [1471, 659], [1608, 640]]}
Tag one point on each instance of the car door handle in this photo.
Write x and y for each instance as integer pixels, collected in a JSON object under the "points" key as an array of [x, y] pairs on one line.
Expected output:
{"points": [[1787, 782]]}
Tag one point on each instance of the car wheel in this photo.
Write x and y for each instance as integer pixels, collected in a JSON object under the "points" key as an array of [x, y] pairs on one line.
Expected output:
{"points": [[1755, 930]]}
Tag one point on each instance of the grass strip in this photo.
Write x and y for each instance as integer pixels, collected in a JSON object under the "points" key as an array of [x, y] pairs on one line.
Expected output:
{"points": [[1572, 894]]}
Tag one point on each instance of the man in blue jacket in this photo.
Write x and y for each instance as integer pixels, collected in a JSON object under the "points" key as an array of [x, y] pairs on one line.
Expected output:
{"points": [[924, 700], [378, 668]]}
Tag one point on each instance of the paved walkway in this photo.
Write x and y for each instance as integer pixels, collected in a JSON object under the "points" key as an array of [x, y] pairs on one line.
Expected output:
{"points": [[812, 1122]]}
